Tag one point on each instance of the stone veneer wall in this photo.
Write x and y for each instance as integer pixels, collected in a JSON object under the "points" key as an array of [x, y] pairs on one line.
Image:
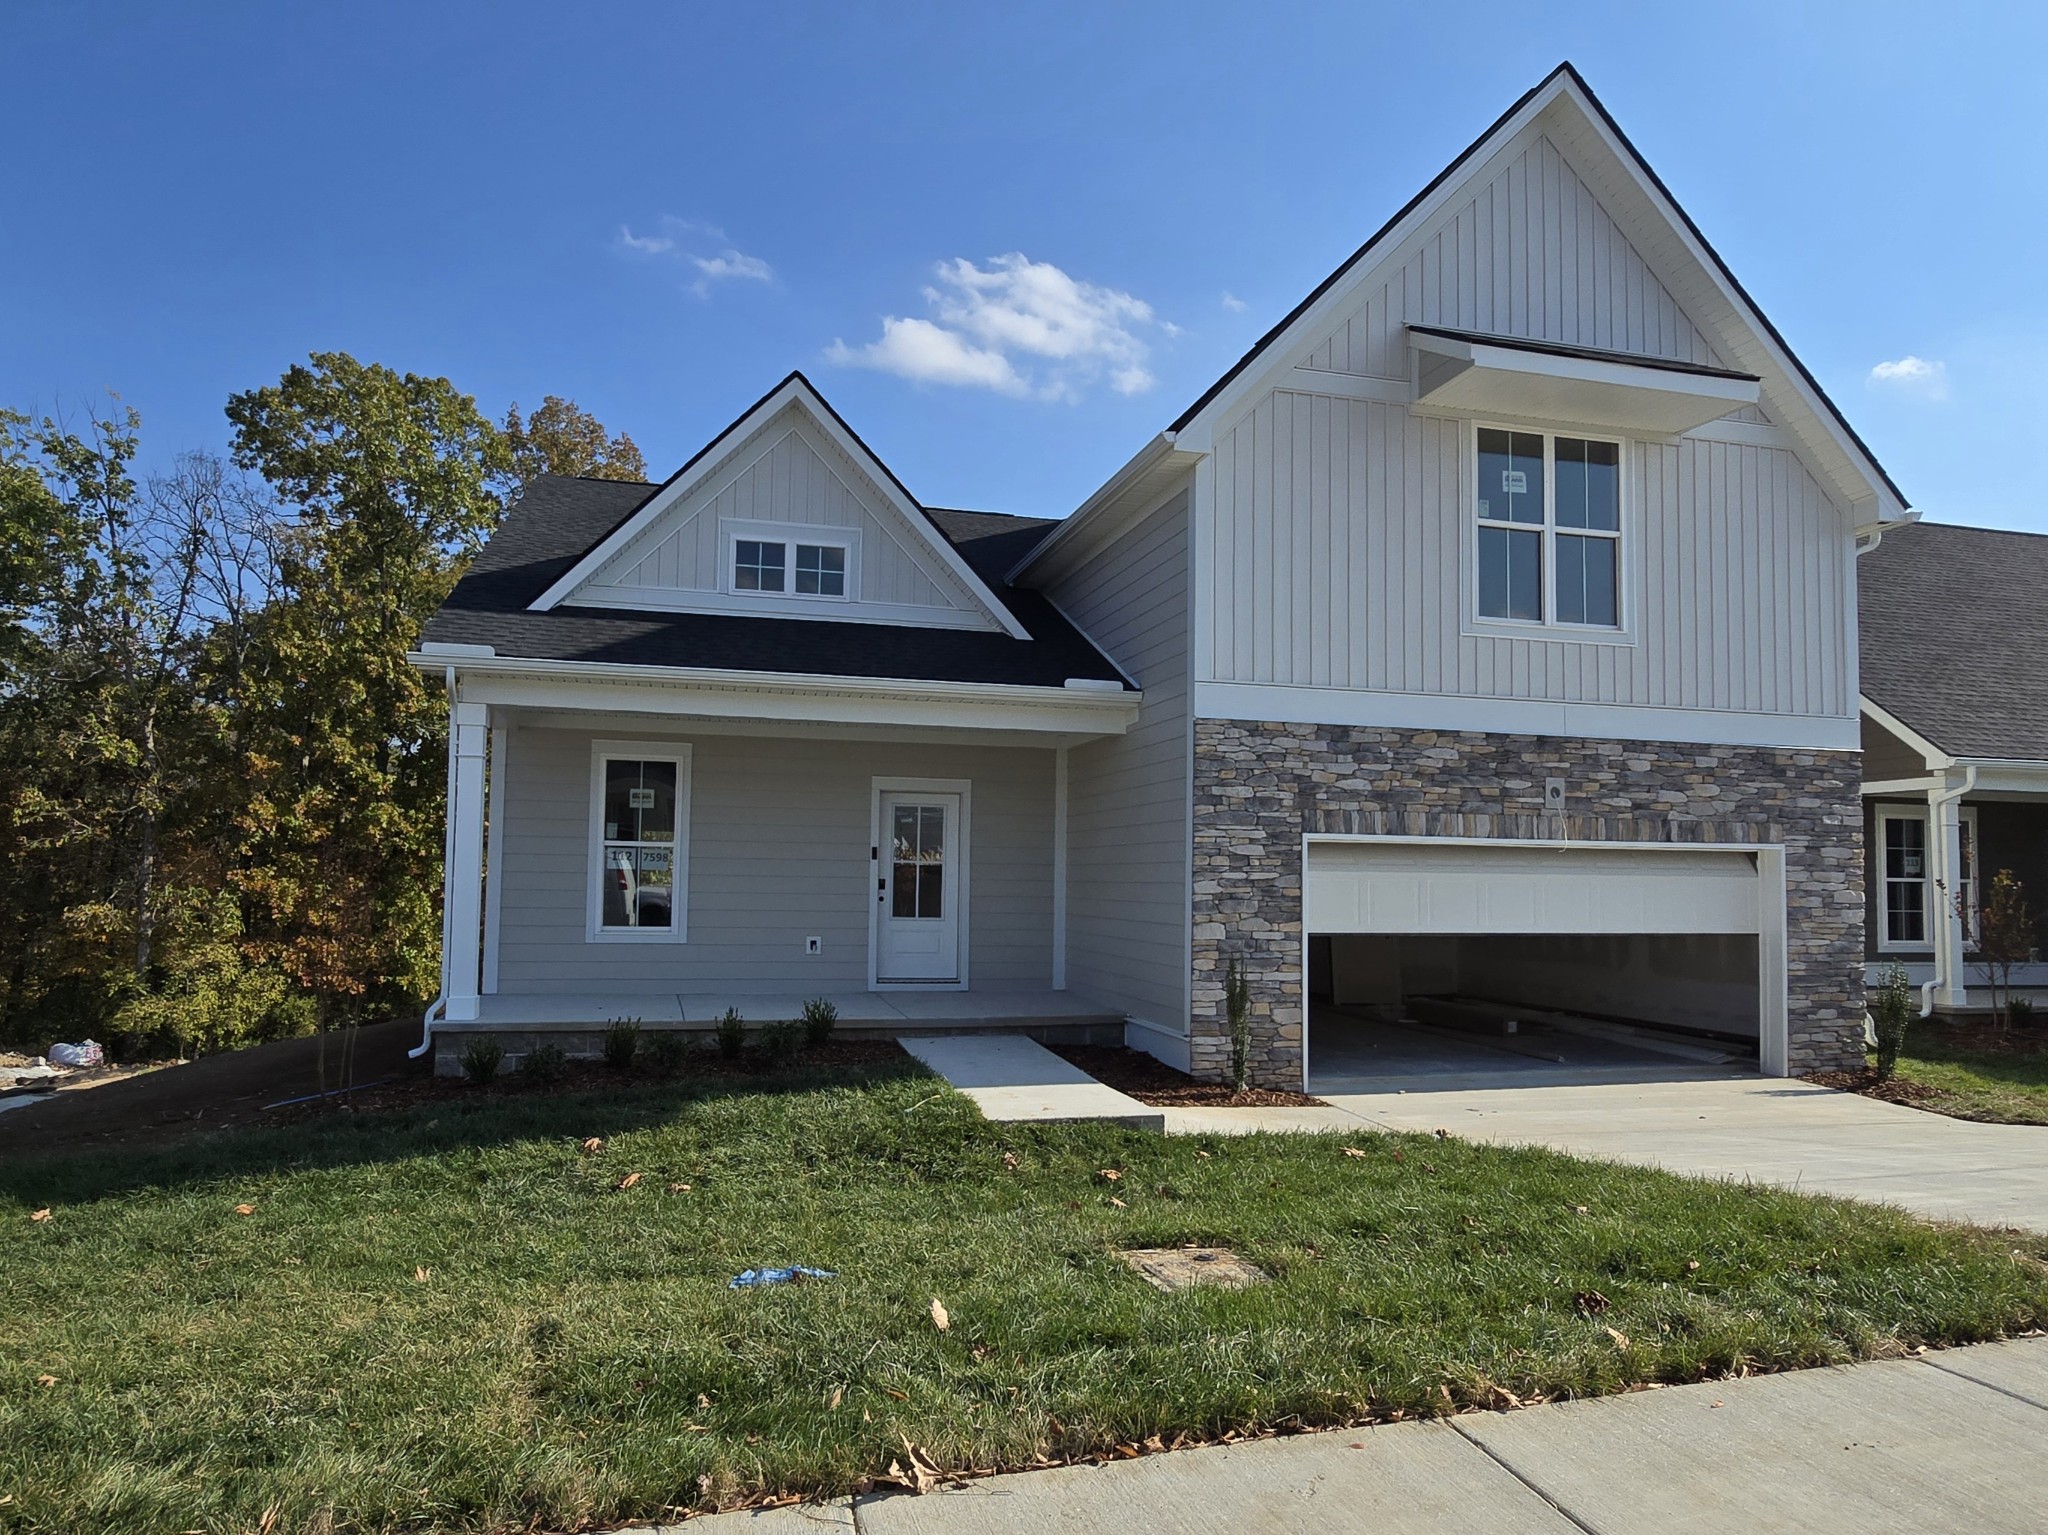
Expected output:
{"points": [[1260, 786]]}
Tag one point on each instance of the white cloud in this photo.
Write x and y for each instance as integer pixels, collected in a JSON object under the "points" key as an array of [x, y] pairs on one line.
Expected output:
{"points": [[675, 241], [1233, 303], [1916, 375], [1019, 327]]}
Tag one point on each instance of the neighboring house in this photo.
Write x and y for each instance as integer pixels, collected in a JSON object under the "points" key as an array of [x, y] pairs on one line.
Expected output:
{"points": [[1488, 630], [1955, 745]]}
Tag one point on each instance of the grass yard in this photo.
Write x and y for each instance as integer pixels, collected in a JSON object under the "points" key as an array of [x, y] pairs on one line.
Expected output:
{"points": [[454, 1318], [1979, 1075]]}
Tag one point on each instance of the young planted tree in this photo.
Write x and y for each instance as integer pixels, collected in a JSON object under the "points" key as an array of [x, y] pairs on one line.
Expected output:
{"points": [[2005, 940]]}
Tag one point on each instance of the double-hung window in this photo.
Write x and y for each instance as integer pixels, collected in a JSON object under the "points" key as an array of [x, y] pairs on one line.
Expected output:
{"points": [[640, 806], [1910, 899], [773, 565], [1549, 528]]}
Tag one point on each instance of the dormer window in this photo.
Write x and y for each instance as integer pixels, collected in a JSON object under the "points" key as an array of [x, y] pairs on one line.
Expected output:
{"points": [[791, 566], [1549, 528]]}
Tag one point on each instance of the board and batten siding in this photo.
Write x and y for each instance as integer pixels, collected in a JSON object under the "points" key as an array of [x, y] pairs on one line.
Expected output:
{"points": [[1344, 559], [783, 473], [1128, 834], [779, 836], [1532, 253]]}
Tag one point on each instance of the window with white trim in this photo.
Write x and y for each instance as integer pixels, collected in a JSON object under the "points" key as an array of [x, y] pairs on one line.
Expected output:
{"points": [[640, 807], [775, 565], [1548, 528], [1910, 901]]}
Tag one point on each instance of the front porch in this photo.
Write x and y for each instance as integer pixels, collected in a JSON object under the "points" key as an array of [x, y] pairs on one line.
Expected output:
{"points": [[577, 1021]]}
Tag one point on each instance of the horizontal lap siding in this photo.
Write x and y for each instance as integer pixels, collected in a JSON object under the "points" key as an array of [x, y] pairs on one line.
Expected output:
{"points": [[1128, 836], [779, 838]]}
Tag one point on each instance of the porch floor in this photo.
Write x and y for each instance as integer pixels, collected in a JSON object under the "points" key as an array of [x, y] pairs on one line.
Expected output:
{"points": [[883, 1011]]}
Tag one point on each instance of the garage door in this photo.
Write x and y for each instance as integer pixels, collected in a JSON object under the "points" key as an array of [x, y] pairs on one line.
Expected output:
{"points": [[1406, 888]]}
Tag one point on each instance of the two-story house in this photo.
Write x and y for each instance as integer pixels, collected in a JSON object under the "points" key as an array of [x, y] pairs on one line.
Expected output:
{"points": [[1486, 636]]}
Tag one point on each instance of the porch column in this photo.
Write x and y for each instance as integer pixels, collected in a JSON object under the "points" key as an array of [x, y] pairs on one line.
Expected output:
{"points": [[1945, 854], [462, 891]]}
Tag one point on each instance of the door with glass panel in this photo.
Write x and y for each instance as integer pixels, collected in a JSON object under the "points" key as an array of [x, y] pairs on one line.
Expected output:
{"points": [[917, 888]]}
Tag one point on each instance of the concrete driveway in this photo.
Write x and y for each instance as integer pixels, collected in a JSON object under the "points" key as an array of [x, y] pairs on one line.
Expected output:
{"points": [[1772, 1130]]}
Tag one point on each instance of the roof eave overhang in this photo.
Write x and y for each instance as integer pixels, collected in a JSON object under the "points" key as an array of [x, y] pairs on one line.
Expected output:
{"points": [[1085, 707], [1471, 376]]}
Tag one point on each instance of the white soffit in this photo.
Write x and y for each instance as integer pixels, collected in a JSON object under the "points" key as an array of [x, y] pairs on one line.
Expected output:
{"points": [[1475, 374]]}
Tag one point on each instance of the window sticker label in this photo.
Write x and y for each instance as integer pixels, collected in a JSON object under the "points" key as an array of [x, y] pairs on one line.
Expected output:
{"points": [[640, 799], [1912, 863], [1514, 482]]}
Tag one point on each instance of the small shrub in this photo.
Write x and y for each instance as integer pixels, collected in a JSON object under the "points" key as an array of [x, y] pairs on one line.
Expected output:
{"points": [[667, 1051], [732, 1034], [1891, 1014], [481, 1060], [2020, 1010], [545, 1066], [820, 1018], [621, 1043], [1237, 1001], [781, 1041]]}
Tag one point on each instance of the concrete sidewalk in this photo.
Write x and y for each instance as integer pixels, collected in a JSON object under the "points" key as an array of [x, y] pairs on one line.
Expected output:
{"points": [[1013, 1078], [1950, 1441], [1770, 1129]]}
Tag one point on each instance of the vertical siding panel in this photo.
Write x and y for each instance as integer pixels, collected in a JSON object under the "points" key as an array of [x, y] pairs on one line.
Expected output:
{"points": [[1356, 481], [1310, 563]]}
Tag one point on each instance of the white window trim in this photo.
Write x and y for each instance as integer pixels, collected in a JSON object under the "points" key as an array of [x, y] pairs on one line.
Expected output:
{"points": [[964, 787], [789, 535], [679, 896], [1622, 632], [1931, 908]]}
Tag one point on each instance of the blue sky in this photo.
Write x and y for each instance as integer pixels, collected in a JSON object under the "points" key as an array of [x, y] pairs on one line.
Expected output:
{"points": [[1009, 242]]}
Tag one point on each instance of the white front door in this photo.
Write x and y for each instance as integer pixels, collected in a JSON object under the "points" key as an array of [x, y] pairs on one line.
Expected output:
{"points": [[917, 888]]}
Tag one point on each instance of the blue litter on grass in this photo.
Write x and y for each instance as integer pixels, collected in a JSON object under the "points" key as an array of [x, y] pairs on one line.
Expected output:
{"points": [[754, 1279]]}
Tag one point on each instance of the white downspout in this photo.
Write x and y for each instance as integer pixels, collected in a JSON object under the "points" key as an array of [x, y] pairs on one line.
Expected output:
{"points": [[1936, 803], [439, 1005]]}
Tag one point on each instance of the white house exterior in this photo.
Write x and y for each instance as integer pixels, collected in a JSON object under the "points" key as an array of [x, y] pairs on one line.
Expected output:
{"points": [[1494, 617]]}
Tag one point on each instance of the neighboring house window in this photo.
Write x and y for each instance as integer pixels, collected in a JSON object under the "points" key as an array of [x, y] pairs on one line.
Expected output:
{"points": [[639, 825], [764, 565], [1911, 901], [1549, 528]]}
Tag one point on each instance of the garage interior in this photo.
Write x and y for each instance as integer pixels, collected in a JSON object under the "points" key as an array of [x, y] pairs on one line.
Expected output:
{"points": [[1456, 965]]}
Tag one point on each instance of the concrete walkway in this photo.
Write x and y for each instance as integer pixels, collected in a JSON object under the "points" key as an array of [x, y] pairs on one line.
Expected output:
{"points": [[1010, 1077], [1950, 1441], [1769, 1129]]}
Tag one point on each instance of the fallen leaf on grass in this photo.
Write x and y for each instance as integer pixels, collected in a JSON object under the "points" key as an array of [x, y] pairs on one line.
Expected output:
{"points": [[901, 1396], [1579, 1210], [1354, 1151], [46, 1380], [703, 1400], [1203, 1155], [593, 1146], [245, 1209], [1620, 1338], [1010, 1160], [39, 1215], [939, 1318], [422, 1274], [1118, 1203], [679, 1188], [628, 1181], [1592, 1302], [1109, 1175], [1692, 1265], [838, 1396]]}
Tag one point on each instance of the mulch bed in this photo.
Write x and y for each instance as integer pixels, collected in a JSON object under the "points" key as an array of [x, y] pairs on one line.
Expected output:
{"points": [[1898, 1090], [1151, 1081]]}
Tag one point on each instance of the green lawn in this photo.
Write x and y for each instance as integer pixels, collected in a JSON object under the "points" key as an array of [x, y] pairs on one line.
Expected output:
{"points": [[454, 1319], [2005, 1086]]}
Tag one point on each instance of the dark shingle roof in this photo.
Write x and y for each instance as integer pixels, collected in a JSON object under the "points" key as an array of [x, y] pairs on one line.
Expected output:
{"points": [[558, 520], [1955, 637]]}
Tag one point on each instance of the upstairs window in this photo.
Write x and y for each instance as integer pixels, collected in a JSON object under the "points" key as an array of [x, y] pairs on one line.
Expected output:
{"points": [[1549, 528], [771, 565]]}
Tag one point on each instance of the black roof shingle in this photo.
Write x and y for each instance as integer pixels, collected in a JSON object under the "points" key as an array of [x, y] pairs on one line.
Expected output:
{"points": [[559, 519]]}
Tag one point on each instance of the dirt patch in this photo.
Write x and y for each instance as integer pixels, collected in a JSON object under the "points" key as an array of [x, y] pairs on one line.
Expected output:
{"points": [[1154, 1083], [1183, 1268], [1898, 1090]]}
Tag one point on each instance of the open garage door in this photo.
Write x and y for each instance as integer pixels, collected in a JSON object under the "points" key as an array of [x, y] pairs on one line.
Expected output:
{"points": [[1666, 950]]}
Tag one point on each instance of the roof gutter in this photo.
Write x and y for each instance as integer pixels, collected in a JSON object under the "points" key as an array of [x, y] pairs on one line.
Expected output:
{"points": [[1141, 461], [439, 1005]]}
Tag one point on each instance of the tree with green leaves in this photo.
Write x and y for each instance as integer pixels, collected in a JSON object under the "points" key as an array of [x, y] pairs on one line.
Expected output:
{"points": [[562, 438], [394, 480]]}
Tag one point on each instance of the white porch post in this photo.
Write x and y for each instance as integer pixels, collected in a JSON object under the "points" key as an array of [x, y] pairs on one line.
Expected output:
{"points": [[1945, 853], [462, 890], [1059, 869]]}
